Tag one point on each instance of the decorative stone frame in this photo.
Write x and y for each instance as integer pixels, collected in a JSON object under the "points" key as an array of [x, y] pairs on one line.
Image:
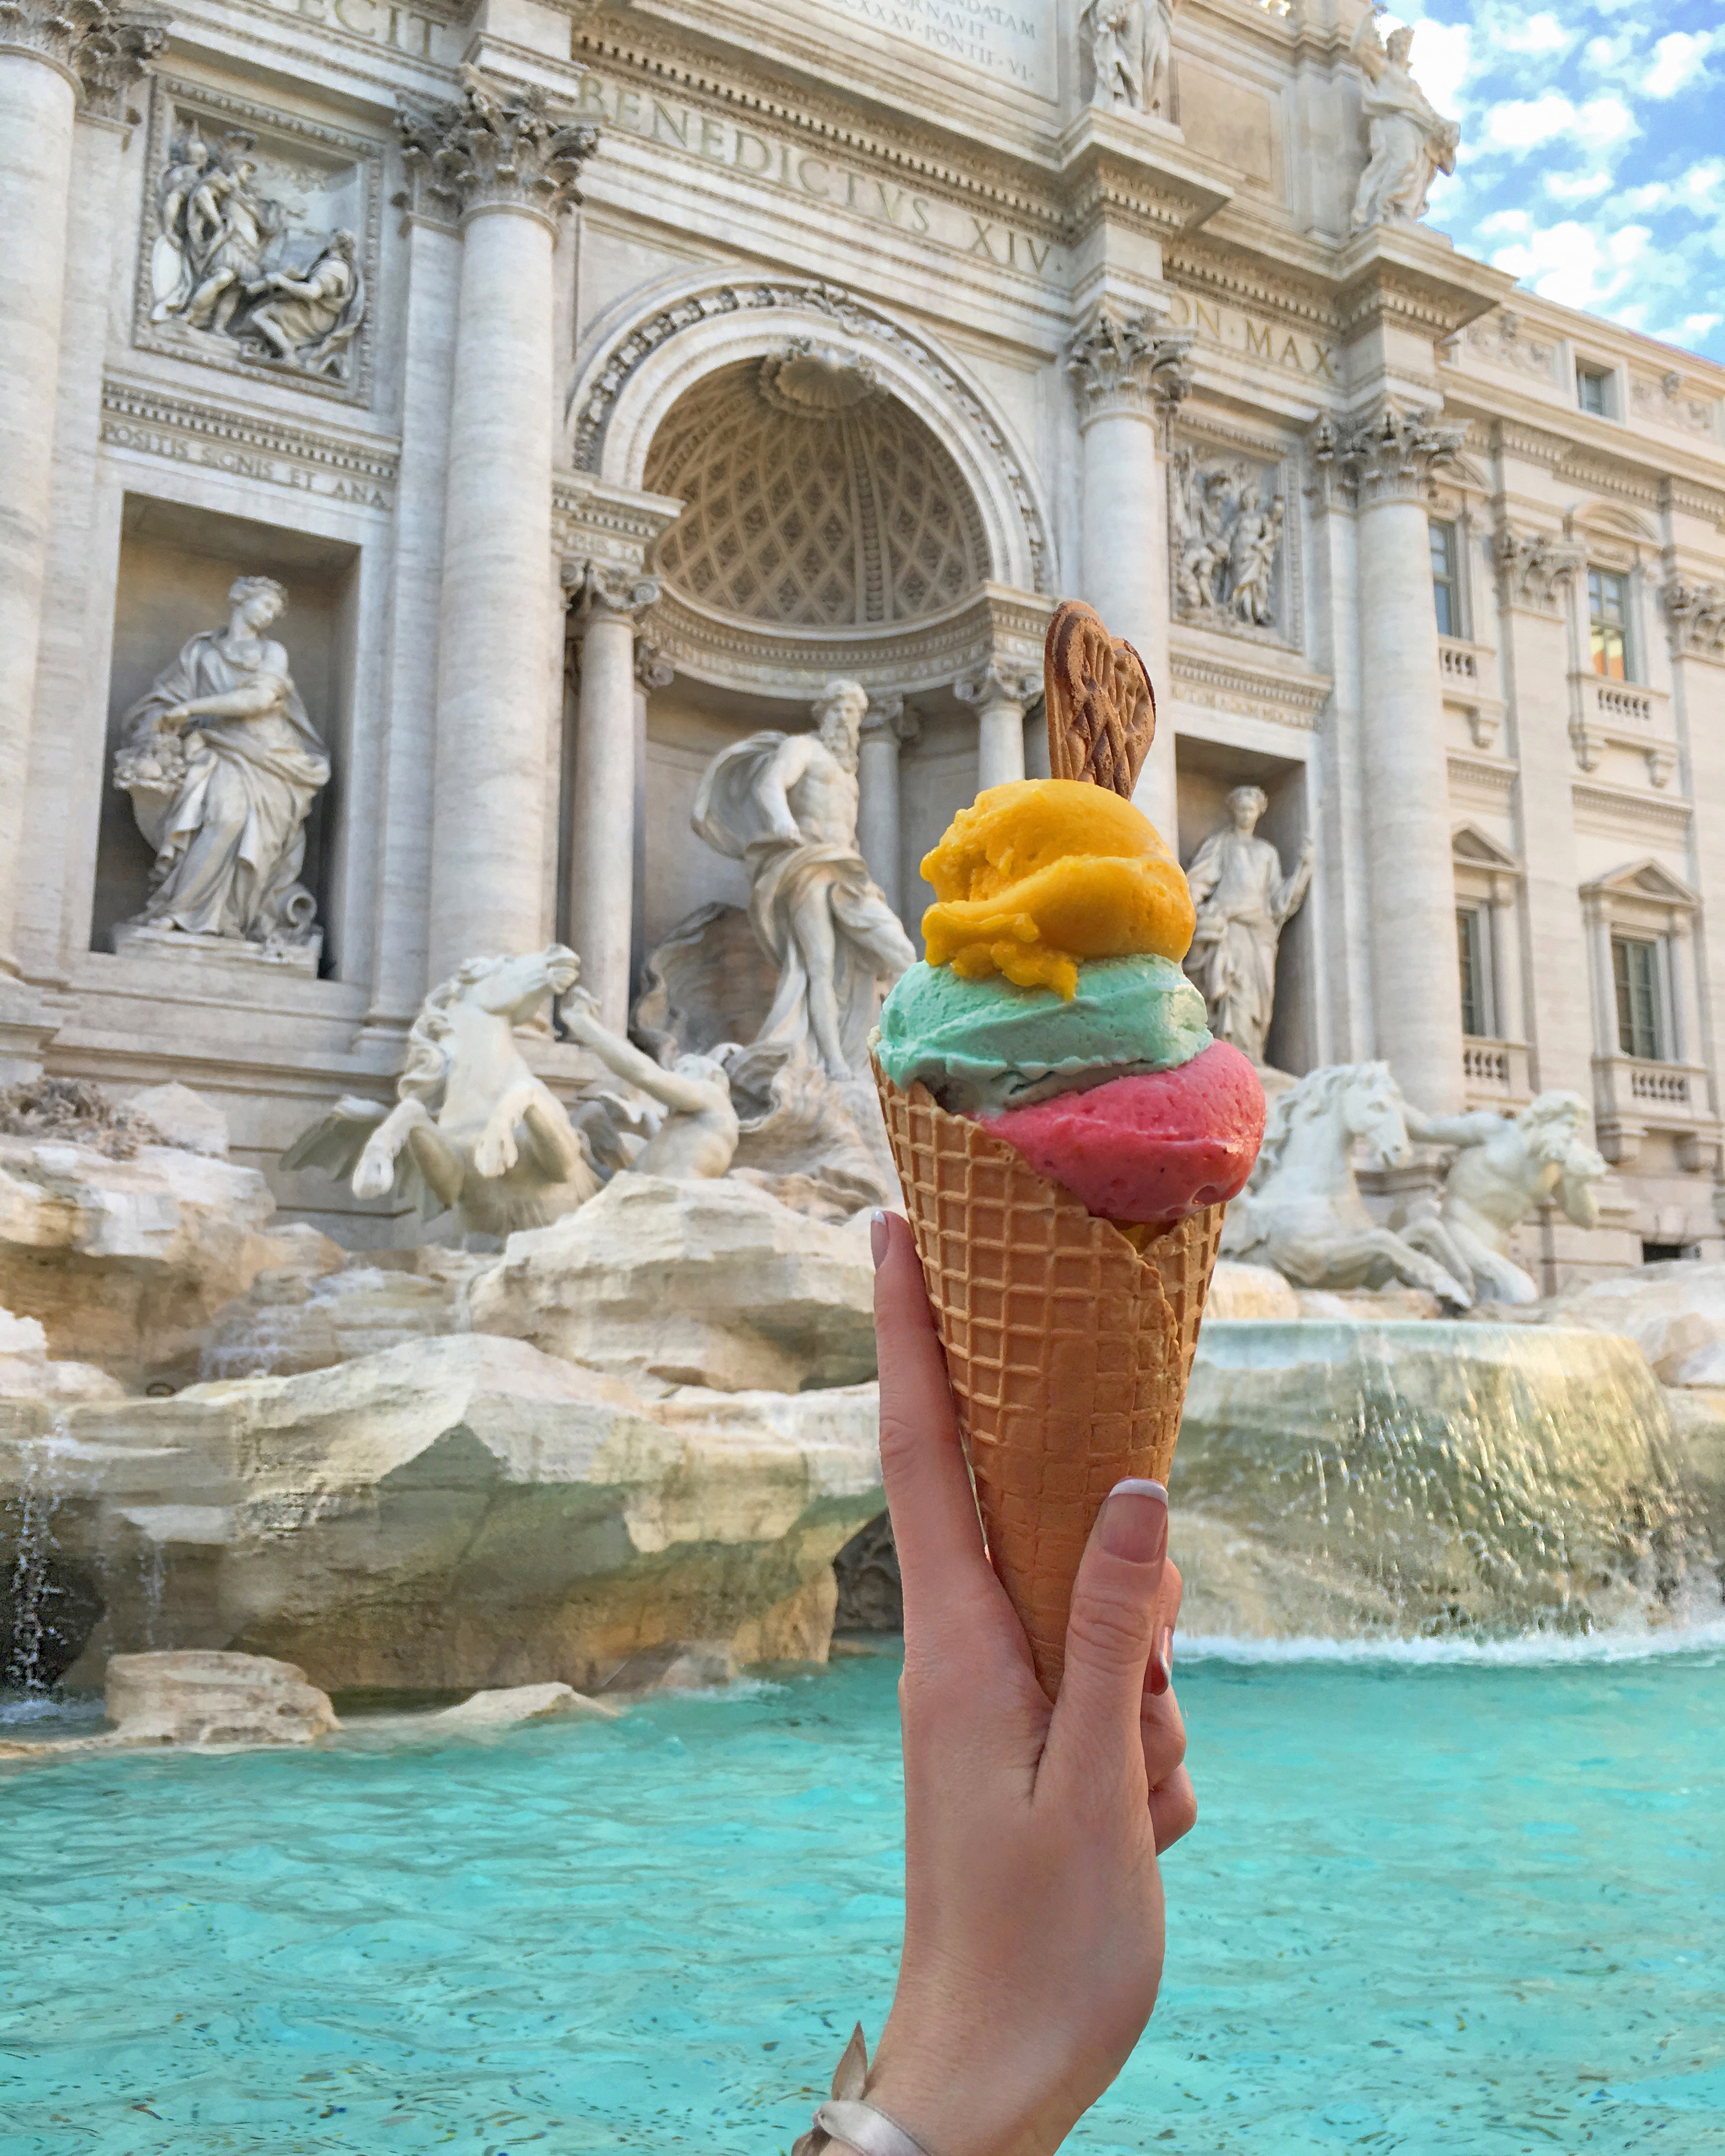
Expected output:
{"points": [[1488, 877], [647, 351], [218, 110], [1633, 1096], [1603, 713]]}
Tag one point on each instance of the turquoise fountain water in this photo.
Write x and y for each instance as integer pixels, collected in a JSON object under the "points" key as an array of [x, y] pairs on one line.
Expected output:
{"points": [[1441, 1898]]}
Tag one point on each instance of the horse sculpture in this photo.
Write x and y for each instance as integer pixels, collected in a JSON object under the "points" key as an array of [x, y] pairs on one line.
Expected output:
{"points": [[1302, 1212], [472, 1129]]}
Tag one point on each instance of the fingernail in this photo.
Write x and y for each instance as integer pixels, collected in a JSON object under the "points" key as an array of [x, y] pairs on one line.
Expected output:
{"points": [[877, 1235], [1135, 1521], [1162, 1660]]}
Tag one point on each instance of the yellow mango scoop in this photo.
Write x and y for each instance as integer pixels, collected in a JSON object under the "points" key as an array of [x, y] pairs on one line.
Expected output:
{"points": [[1042, 872]]}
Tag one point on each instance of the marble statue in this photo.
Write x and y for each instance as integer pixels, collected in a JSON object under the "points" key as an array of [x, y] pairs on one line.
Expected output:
{"points": [[1130, 45], [1505, 1168], [785, 805], [228, 226], [696, 1136], [1302, 1212], [473, 1130], [1229, 535], [222, 767], [1410, 139], [309, 317], [1244, 902]]}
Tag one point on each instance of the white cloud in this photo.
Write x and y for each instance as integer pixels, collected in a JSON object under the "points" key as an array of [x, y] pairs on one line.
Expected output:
{"points": [[1537, 33], [1577, 187], [1505, 223], [1677, 59], [1696, 326], [1606, 121], [1524, 123], [1442, 52]]}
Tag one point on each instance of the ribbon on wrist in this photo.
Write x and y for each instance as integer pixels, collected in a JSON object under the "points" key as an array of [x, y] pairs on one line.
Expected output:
{"points": [[846, 2120]]}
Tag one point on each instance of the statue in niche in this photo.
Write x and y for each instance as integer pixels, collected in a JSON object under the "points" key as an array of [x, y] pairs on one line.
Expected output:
{"points": [[1244, 902], [1410, 141], [1130, 45], [1228, 539], [1505, 1168], [222, 767], [207, 267], [785, 805]]}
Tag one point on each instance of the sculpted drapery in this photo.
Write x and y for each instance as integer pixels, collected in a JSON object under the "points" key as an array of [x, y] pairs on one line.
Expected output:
{"points": [[222, 767], [1244, 902]]}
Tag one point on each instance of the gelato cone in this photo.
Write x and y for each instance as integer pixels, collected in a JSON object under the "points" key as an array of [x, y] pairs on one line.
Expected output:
{"points": [[1066, 1132]]}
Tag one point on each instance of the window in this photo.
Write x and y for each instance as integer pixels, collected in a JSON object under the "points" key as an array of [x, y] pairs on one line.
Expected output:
{"points": [[1475, 972], [1445, 588], [1592, 388], [1640, 1000], [1608, 623]]}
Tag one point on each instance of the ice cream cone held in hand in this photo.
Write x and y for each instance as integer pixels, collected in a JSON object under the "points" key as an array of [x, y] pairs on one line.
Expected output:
{"points": [[1065, 1131]]}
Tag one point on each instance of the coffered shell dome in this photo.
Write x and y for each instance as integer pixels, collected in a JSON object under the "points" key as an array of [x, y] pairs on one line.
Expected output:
{"points": [[814, 498]]}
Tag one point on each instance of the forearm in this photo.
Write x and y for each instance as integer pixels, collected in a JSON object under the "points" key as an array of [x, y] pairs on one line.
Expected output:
{"points": [[255, 702]]}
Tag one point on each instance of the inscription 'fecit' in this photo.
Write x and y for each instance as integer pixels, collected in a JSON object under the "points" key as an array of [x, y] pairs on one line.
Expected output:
{"points": [[813, 175], [1256, 340]]}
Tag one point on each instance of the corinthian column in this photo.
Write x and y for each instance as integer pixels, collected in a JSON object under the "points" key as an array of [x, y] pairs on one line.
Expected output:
{"points": [[886, 726], [1416, 991], [1129, 373], [999, 692], [605, 614], [501, 159], [50, 51]]}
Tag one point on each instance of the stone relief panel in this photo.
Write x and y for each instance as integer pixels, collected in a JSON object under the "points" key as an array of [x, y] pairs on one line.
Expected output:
{"points": [[1667, 404], [258, 247], [1230, 546], [1129, 46], [1501, 339]]}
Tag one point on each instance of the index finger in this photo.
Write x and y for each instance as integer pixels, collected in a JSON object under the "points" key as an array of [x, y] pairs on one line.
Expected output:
{"points": [[935, 1523]]}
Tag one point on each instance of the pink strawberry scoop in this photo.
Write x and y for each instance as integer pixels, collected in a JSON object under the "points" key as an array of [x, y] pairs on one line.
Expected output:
{"points": [[1150, 1147]]}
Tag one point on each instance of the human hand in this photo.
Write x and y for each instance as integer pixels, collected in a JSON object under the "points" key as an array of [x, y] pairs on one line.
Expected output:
{"points": [[1033, 1902]]}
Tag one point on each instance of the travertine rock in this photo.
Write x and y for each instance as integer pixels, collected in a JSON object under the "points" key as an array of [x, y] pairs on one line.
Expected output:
{"points": [[668, 1283], [455, 1513], [290, 1320], [203, 1698], [499, 1710], [123, 1262], [27, 1373], [184, 1118], [1238, 1290], [1677, 1313]]}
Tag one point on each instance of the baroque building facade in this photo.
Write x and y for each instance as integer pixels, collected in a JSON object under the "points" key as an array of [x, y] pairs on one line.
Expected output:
{"points": [[589, 383]]}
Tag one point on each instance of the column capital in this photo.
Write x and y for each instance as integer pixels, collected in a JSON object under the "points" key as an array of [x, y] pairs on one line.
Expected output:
{"points": [[1695, 617], [597, 592], [1388, 454], [101, 50], [653, 670], [887, 719], [1001, 680], [1123, 362], [1532, 566], [499, 145]]}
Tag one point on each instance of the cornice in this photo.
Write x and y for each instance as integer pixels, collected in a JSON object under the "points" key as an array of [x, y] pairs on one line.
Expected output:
{"points": [[1493, 775], [1610, 809], [1229, 685], [1201, 262], [228, 430]]}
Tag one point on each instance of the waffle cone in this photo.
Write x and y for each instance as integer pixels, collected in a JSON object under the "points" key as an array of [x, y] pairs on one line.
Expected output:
{"points": [[1069, 1340]]}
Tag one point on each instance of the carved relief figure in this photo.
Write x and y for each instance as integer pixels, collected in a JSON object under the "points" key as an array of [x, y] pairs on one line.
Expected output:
{"points": [[1410, 139], [1505, 1167], [1228, 539], [785, 805], [222, 767], [214, 232], [309, 317], [1130, 45], [1244, 902]]}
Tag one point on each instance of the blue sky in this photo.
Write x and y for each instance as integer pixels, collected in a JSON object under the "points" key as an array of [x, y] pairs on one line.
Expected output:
{"points": [[1593, 152]]}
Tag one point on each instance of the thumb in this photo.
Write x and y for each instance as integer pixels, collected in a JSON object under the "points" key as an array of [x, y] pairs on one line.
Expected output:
{"points": [[1111, 1627]]}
